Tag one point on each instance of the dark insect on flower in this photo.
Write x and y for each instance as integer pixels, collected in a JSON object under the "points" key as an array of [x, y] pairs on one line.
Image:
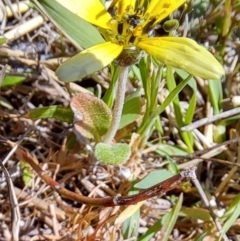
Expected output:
{"points": [[133, 20]]}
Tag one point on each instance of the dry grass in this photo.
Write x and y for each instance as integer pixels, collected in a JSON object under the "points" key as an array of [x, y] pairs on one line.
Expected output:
{"points": [[44, 215]]}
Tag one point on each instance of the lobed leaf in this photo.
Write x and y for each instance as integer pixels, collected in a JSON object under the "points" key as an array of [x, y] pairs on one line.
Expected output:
{"points": [[113, 155]]}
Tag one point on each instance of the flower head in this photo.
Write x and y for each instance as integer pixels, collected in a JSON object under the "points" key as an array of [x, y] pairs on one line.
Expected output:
{"points": [[128, 29]]}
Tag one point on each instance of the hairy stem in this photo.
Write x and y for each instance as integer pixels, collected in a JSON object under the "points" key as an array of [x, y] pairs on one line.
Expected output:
{"points": [[118, 106]]}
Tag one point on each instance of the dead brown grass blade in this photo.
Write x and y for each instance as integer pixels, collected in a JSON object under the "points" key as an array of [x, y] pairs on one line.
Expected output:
{"points": [[15, 213]]}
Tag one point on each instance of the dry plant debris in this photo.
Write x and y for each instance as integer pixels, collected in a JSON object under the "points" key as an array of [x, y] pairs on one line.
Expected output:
{"points": [[31, 210]]}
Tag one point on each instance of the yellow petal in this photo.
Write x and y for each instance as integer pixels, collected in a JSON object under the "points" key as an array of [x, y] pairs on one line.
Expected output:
{"points": [[90, 10], [185, 54], [88, 61], [124, 6], [163, 8]]}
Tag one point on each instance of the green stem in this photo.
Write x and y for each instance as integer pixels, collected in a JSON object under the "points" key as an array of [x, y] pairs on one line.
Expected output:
{"points": [[118, 106]]}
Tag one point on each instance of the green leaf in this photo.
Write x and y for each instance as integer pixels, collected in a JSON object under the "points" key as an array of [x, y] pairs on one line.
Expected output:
{"points": [[79, 31], [172, 96], [169, 150], [197, 213], [71, 141], [60, 113], [12, 80], [231, 208], [136, 71], [153, 229], [216, 98], [165, 224], [172, 166], [216, 95], [5, 103], [219, 134], [112, 155], [111, 91], [191, 109], [130, 226], [202, 236], [92, 116], [131, 109], [229, 121], [193, 101], [166, 102], [232, 214], [151, 81], [153, 178], [186, 136], [171, 219], [3, 40], [27, 173]]}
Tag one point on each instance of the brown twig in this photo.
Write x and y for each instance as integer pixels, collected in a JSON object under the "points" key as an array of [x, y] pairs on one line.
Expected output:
{"points": [[156, 190]]}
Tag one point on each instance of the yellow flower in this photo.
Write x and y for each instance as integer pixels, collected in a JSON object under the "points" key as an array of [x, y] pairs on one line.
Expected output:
{"points": [[128, 31]]}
